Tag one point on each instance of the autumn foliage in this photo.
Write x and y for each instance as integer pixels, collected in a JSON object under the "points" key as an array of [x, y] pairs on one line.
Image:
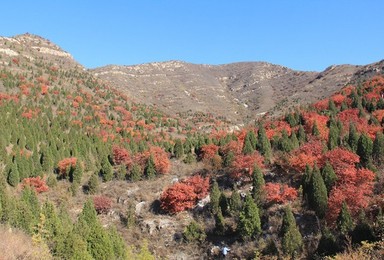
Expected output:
{"points": [[184, 195], [243, 165], [64, 165], [102, 204], [37, 183], [279, 193]]}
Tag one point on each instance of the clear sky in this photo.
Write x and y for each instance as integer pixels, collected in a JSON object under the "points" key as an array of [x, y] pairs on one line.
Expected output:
{"points": [[305, 34]]}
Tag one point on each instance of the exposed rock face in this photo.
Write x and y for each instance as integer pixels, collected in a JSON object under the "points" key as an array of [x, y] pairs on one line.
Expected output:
{"points": [[237, 91]]}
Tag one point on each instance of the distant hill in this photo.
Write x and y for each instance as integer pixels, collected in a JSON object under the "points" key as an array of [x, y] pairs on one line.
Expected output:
{"points": [[238, 91]]}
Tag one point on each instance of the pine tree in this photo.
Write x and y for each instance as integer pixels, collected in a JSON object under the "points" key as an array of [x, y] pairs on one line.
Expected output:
{"points": [[215, 198], [178, 149], [247, 148], [344, 220], [93, 184], [257, 184], [378, 148], [306, 180], [332, 107], [285, 143], [118, 244], [327, 244], [235, 203], [364, 149], [315, 129], [333, 135], [106, 170], [294, 141], [219, 223], [150, 170], [319, 198], [13, 175], [292, 242], [301, 136], [263, 144], [135, 174], [249, 219], [353, 137], [329, 176]]}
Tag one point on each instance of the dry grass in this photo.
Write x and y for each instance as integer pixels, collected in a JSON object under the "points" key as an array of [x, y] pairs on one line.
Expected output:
{"points": [[15, 244]]}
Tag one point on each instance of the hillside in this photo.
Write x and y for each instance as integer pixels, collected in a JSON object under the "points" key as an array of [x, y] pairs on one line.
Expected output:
{"points": [[238, 91], [89, 172]]}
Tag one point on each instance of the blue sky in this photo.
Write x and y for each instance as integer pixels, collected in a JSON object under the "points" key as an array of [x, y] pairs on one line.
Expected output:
{"points": [[304, 35]]}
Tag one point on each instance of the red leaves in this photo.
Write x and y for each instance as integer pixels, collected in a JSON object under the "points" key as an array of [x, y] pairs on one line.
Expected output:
{"points": [[184, 195], [208, 151], [64, 164], [36, 183], [120, 155], [312, 118], [161, 159], [341, 160], [309, 153], [279, 193], [244, 164], [102, 204]]}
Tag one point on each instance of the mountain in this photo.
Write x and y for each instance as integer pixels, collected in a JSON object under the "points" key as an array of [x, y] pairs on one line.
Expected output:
{"points": [[237, 91]]}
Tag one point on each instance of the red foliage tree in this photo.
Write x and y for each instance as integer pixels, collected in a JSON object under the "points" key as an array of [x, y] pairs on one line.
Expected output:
{"points": [[178, 197], [120, 155], [64, 164], [208, 151], [161, 159], [310, 118], [341, 160], [243, 165], [279, 193], [200, 185], [308, 153], [102, 204], [36, 183]]}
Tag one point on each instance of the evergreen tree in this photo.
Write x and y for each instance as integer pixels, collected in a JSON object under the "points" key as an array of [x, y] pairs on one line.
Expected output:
{"points": [[118, 244], [305, 182], [263, 143], [333, 135], [178, 149], [332, 107], [135, 174], [344, 220], [315, 129], [364, 149], [235, 203], [106, 170], [301, 136], [13, 175], [219, 223], [292, 242], [329, 176], [249, 219], [150, 170], [93, 184], [215, 197], [294, 140], [257, 184], [327, 244], [247, 148], [285, 143], [378, 148], [319, 198], [353, 137]]}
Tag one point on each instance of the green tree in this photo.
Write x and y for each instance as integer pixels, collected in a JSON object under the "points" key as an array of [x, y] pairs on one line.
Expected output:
{"points": [[315, 129], [292, 241], [263, 143], [258, 183], [136, 172], [285, 144], [215, 198], [248, 148], [319, 198], [219, 223], [329, 176], [301, 136], [150, 170], [378, 148], [106, 170], [353, 137], [344, 220], [13, 175], [118, 244], [178, 149], [364, 149], [235, 203], [333, 135], [249, 219], [194, 232], [93, 184]]}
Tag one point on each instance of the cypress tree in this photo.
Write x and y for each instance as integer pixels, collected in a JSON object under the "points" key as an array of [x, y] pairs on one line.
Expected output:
{"points": [[292, 242], [294, 141], [13, 175], [252, 138], [257, 184], [93, 184], [249, 219], [178, 149], [332, 107], [301, 136], [329, 176], [364, 149], [327, 244], [344, 220], [219, 223], [319, 198], [235, 202], [106, 170], [215, 198], [247, 148], [306, 180], [353, 137], [150, 170], [263, 143], [315, 130], [285, 143], [333, 135], [118, 244], [135, 174], [378, 148]]}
